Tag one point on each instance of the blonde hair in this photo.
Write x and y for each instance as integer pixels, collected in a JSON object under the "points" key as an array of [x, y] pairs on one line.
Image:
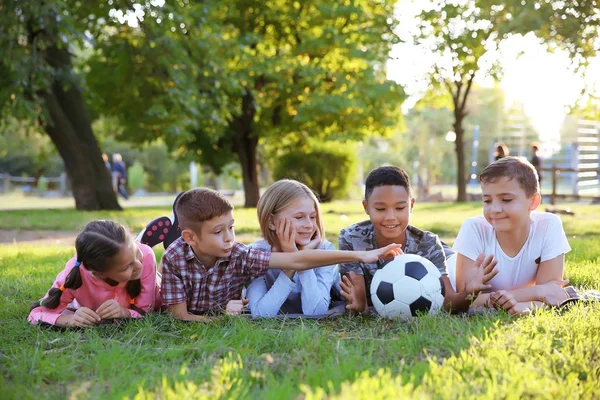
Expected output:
{"points": [[279, 196]]}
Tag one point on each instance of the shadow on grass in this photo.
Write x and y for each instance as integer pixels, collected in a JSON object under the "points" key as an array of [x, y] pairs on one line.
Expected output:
{"points": [[278, 356]]}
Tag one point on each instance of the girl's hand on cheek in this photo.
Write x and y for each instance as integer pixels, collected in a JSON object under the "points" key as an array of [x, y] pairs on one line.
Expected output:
{"points": [[286, 235]]}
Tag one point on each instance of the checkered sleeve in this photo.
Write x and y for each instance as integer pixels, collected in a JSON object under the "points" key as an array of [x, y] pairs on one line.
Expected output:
{"points": [[172, 285], [255, 262]]}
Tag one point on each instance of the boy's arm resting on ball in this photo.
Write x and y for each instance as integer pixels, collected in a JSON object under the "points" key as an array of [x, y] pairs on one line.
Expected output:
{"points": [[180, 311]]}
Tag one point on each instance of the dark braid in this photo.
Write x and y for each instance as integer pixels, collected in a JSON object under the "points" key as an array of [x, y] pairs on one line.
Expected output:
{"points": [[96, 245], [73, 281], [133, 289]]}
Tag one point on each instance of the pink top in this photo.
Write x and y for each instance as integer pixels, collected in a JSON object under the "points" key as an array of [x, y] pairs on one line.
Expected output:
{"points": [[93, 291]]}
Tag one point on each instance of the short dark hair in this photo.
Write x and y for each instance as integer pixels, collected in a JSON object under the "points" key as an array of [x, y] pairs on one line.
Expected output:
{"points": [[513, 168], [198, 205], [388, 175]]}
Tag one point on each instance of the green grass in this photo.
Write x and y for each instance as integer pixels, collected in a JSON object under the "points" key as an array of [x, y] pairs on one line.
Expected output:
{"points": [[549, 355]]}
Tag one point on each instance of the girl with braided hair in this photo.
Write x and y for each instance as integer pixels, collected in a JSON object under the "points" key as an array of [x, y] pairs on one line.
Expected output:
{"points": [[110, 277]]}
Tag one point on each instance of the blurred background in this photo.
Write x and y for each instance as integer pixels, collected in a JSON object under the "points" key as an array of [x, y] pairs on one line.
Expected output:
{"points": [[112, 103]]}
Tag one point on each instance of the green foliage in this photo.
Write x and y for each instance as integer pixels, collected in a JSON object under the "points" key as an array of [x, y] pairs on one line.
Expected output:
{"points": [[166, 171], [327, 167], [24, 151], [302, 69], [136, 177]]}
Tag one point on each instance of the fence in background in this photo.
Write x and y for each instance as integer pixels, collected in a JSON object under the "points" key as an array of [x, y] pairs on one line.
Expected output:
{"points": [[556, 173], [8, 182]]}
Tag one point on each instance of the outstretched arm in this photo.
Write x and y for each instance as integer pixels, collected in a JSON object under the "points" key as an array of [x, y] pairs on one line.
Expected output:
{"points": [[307, 259]]}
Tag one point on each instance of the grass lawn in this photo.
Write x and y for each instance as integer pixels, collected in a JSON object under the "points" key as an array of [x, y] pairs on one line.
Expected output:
{"points": [[549, 355]]}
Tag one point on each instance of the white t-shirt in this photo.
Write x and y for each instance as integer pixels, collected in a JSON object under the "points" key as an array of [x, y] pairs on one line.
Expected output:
{"points": [[546, 240]]}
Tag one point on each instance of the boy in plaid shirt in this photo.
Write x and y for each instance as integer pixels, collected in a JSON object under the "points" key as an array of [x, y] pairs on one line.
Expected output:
{"points": [[206, 268]]}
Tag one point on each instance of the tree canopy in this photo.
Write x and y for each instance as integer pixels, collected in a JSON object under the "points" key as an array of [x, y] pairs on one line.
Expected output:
{"points": [[463, 35], [218, 78]]}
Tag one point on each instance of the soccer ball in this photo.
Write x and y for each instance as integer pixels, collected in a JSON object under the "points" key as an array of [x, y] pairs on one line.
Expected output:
{"points": [[406, 286]]}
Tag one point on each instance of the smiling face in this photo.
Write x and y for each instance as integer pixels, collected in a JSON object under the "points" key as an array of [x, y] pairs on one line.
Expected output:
{"points": [[303, 215], [506, 206], [389, 208], [126, 265]]}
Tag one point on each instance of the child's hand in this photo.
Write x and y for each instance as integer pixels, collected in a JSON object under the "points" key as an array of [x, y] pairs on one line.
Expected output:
{"points": [[483, 271], [286, 235], [314, 243], [350, 294], [83, 318], [552, 293], [520, 309], [111, 309], [235, 307], [384, 253], [504, 300]]}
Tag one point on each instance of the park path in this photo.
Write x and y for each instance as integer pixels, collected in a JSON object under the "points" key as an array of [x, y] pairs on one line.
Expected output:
{"points": [[38, 237], [66, 238]]}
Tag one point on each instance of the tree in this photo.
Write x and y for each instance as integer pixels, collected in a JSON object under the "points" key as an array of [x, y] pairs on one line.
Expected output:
{"points": [[38, 83], [460, 34], [464, 34], [220, 78]]}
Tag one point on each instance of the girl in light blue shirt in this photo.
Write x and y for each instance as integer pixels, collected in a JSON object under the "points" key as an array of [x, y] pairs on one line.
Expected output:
{"points": [[283, 291]]}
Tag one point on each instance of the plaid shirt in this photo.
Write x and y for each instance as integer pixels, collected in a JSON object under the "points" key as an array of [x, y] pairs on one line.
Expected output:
{"points": [[186, 280]]}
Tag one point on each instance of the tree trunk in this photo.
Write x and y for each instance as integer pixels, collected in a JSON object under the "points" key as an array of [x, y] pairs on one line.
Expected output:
{"points": [[460, 111], [70, 129], [461, 183], [245, 145]]}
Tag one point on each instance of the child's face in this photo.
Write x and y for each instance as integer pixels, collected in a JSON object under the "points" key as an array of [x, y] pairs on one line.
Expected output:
{"points": [[506, 206], [216, 237], [126, 265], [389, 209], [303, 215]]}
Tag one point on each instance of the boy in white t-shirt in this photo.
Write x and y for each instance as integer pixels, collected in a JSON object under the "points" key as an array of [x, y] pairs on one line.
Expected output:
{"points": [[528, 246]]}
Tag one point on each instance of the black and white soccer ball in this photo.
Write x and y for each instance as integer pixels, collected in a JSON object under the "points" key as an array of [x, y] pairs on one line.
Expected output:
{"points": [[407, 286]]}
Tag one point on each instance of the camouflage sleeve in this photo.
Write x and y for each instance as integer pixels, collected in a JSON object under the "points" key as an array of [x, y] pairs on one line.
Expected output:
{"points": [[431, 248], [344, 244], [448, 252]]}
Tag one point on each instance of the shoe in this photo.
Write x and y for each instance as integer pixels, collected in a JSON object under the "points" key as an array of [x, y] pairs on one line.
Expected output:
{"points": [[156, 231]]}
